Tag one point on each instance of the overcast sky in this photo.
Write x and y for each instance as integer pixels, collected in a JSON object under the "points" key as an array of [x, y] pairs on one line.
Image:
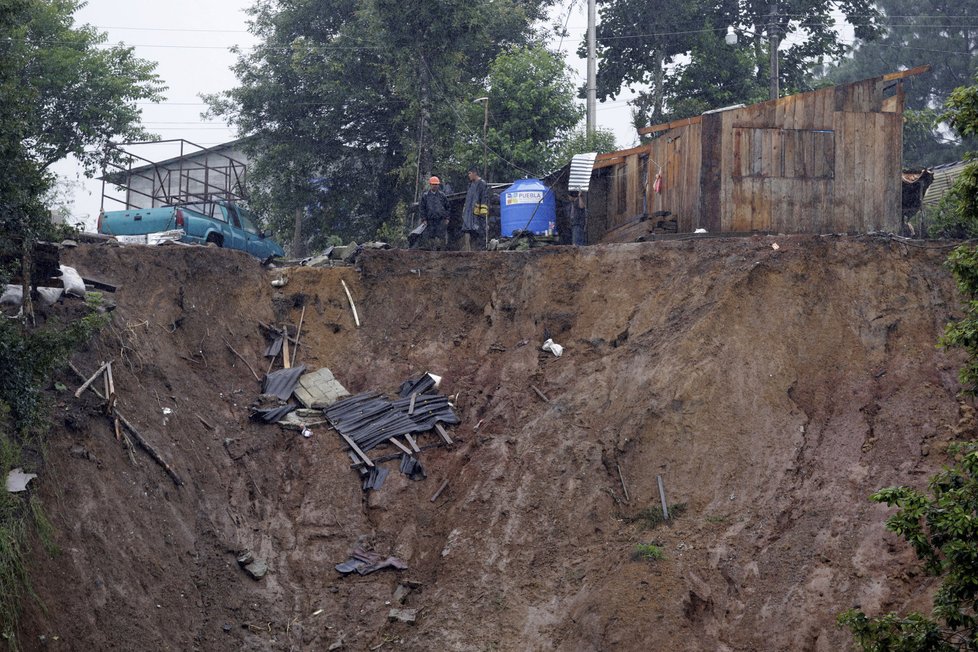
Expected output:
{"points": [[190, 41]]}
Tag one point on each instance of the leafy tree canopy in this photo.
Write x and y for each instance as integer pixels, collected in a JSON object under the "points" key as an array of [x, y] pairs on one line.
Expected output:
{"points": [[941, 33], [675, 56], [531, 101], [349, 103], [62, 92]]}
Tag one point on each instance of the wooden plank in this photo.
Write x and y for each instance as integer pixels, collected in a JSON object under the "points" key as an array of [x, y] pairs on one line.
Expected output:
{"points": [[919, 70], [443, 434], [440, 490], [401, 446], [414, 397], [412, 443], [356, 449], [622, 154], [893, 193], [711, 168], [671, 125]]}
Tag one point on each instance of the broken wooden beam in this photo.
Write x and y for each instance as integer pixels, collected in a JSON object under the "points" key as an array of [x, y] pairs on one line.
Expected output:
{"points": [[356, 449], [404, 448], [440, 489], [414, 444], [623, 487], [662, 495], [99, 285], [287, 364], [540, 394], [90, 379], [414, 397], [241, 357], [135, 433], [443, 434]]}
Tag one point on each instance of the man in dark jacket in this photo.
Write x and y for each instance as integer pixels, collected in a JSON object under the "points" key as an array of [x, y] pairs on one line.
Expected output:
{"points": [[475, 214], [433, 210]]}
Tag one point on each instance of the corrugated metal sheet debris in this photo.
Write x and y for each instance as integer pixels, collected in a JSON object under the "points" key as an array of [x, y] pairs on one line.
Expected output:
{"points": [[580, 172], [944, 178], [272, 415], [281, 383]]}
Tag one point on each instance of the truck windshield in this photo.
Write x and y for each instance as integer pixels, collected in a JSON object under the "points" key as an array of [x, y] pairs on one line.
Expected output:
{"points": [[246, 222]]}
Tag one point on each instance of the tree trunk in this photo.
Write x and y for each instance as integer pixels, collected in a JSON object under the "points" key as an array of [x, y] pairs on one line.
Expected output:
{"points": [[298, 250]]}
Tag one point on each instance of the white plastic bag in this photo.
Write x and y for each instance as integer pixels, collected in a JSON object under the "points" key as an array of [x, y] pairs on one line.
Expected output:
{"points": [[553, 347], [74, 285]]}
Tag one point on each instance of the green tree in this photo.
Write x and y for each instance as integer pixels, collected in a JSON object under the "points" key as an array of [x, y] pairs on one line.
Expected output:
{"points": [[958, 215], [942, 529], [579, 142], [532, 106], [941, 526], [677, 56], [942, 33], [349, 102], [63, 92]]}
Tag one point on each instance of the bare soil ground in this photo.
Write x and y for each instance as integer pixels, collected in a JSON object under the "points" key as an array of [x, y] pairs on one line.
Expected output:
{"points": [[773, 391]]}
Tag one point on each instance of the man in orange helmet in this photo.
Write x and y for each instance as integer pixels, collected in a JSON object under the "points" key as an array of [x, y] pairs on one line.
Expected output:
{"points": [[433, 210]]}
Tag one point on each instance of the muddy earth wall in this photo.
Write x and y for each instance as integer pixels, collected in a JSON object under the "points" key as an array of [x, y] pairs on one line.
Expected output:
{"points": [[772, 389]]}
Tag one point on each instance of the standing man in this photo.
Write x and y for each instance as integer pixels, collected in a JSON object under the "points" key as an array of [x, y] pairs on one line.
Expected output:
{"points": [[433, 209], [475, 214], [578, 218]]}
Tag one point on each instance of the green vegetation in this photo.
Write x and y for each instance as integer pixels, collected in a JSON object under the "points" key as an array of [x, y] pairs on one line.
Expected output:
{"points": [[940, 525], [63, 91], [29, 358], [942, 528], [675, 52], [915, 33], [652, 517], [648, 552]]}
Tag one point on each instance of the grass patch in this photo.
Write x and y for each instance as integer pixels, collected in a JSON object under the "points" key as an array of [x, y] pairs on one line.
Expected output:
{"points": [[651, 517], [648, 552]]}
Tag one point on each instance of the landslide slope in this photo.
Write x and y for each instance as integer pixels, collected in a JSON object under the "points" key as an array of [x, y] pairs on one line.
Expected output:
{"points": [[772, 390]]}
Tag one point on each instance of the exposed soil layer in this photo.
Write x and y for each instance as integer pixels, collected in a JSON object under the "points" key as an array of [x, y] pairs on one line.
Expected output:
{"points": [[772, 390]]}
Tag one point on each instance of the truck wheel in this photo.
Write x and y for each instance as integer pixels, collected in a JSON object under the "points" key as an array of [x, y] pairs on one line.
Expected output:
{"points": [[215, 240]]}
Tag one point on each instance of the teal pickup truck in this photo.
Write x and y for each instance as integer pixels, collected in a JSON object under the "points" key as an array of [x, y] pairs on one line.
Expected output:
{"points": [[221, 223]]}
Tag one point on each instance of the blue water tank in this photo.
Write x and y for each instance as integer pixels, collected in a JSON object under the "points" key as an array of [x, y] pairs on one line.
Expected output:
{"points": [[527, 201]]}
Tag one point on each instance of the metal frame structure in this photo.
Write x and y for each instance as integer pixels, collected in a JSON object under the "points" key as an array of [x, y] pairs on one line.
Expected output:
{"points": [[196, 182]]}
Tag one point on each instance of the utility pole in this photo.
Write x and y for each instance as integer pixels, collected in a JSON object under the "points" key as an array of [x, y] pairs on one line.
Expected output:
{"points": [[592, 68], [485, 132], [772, 31]]}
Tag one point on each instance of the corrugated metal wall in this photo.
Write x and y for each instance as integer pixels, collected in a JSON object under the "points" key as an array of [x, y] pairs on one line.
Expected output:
{"points": [[820, 162]]}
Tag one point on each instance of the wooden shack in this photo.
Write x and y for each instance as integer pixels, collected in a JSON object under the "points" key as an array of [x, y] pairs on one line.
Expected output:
{"points": [[827, 161]]}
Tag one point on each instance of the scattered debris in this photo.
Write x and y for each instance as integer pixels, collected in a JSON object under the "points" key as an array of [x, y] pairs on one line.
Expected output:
{"points": [[319, 389], [363, 562], [280, 282], [553, 347], [401, 593], [411, 467], [775, 246], [375, 478], [17, 480], [255, 568], [270, 414], [306, 433], [409, 616], [116, 415]]}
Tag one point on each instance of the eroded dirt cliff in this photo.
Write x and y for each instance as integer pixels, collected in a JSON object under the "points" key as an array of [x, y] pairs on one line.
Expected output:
{"points": [[772, 389]]}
